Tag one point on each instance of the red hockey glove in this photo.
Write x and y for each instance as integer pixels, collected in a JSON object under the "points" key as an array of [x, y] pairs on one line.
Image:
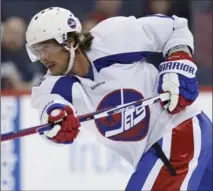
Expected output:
{"points": [[65, 124]]}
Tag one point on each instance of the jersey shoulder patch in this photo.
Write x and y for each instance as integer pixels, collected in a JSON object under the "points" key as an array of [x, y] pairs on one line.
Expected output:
{"points": [[61, 85], [46, 83], [39, 82]]}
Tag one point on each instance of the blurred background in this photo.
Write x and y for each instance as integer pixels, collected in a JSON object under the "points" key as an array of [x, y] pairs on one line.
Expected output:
{"points": [[18, 73], [30, 163]]}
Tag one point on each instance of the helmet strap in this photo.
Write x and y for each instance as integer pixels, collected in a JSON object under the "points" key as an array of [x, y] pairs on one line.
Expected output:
{"points": [[72, 57]]}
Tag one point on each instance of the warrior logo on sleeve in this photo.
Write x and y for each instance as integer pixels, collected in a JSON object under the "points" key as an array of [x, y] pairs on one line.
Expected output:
{"points": [[130, 125]]}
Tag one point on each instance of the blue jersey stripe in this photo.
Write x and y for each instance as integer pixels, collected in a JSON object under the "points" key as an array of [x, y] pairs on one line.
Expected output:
{"points": [[205, 155], [63, 87], [122, 58], [144, 167]]}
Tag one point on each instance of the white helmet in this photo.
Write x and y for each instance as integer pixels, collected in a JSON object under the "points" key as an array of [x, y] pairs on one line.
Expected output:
{"points": [[52, 23]]}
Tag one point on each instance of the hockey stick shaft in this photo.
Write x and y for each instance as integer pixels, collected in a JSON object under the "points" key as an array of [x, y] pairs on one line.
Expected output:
{"points": [[95, 115]]}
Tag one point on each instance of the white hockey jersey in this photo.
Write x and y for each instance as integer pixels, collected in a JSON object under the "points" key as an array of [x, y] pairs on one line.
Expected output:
{"points": [[119, 74]]}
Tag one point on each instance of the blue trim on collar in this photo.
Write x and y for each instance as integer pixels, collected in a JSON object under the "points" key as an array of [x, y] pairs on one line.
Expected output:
{"points": [[161, 16], [90, 74]]}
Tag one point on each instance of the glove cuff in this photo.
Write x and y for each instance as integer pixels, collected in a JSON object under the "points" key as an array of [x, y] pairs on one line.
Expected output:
{"points": [[44, 114], [185, 67]]}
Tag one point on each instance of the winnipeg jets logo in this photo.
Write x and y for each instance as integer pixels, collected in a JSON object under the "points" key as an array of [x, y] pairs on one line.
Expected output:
{"points": [[127, 125], [71, 22], [109, 120], [129, 120]]}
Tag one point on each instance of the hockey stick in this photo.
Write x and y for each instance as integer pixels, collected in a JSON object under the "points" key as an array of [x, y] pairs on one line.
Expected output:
{"points": [[95, 115]]}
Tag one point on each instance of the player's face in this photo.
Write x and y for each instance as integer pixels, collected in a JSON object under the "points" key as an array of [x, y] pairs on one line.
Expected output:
{"points": [[53, 56], [56, 59]]}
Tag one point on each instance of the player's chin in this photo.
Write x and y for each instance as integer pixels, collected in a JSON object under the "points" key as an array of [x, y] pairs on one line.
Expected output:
{"points": [[55, 72]]}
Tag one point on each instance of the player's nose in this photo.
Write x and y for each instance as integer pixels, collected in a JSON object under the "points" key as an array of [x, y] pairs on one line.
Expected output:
{"points": [[43, 57]]}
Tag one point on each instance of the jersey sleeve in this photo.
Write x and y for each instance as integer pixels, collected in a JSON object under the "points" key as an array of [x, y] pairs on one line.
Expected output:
{"points": [[52, 89], [167, 32], [126, 40]]}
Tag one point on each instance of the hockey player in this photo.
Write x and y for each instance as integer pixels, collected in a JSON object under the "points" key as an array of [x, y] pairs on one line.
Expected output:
{"points": [[170, 144]]}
